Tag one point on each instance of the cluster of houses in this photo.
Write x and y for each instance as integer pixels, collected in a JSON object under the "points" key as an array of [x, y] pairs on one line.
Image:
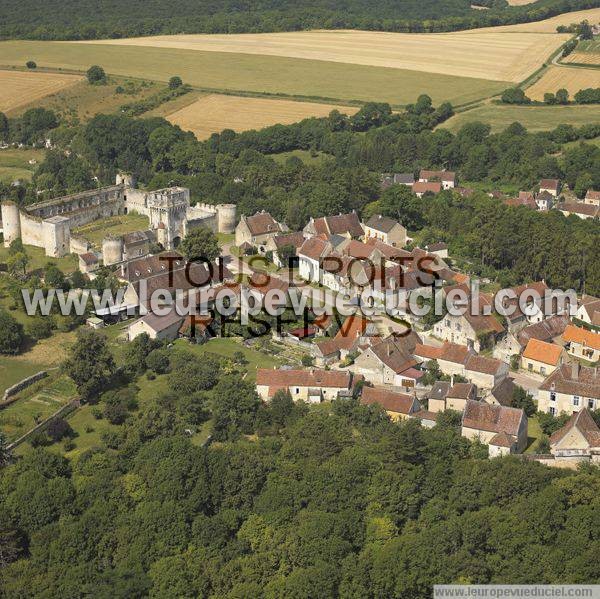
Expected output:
{"points": [[428, 182], [549, 196], [546, 197], [470, 353]]}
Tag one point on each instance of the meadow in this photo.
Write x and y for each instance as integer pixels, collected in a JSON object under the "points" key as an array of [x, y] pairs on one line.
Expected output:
{"points": [[20, 87], [485, 54], [82, 101], [214, 112], [571, 79], [96, 231], [534, 118], [15, 164], [264, 75]]}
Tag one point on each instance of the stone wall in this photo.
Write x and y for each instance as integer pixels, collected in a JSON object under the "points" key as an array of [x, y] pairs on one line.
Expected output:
{"points": [[23, 384]]}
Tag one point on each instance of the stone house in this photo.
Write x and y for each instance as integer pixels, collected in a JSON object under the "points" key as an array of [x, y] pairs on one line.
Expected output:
{"points": [[502, 393], [385, 229], [569, 389], [450, 357], [309, 258], [389, 179], [355, 334], [447, 179], [592, 197], [399, 406], [484, 372], [390, 362], [277, 243], [588, 309], [88, 262], [453, 397], [162, 327], [312, 386], [514, 343], [550, 186], [346, 225], [578, 439], [579, 209], [436, 396], [503, 429], [582, 344], [420, 188], [257, 230], [473, 330], [541, 357]]}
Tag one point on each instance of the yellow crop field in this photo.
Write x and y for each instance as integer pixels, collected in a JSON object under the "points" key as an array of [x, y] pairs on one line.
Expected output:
{"points": [[19, 87], [549, 25], [485, 54], [572, 79], [582, 58], [520, 2], [215, 112]]}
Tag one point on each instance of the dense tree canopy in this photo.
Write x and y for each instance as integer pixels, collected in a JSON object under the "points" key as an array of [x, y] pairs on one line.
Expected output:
{"points": [[60, 19], [344, 503]]}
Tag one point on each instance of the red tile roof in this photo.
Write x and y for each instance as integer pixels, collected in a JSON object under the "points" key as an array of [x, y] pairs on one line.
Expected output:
{"points": [[482, 416], [581, 336], [423, 187], [262, 223], [484, 365], [540, 351], [584, 423], [400, 403], [304, 378], [314, 248], [574, 380]]}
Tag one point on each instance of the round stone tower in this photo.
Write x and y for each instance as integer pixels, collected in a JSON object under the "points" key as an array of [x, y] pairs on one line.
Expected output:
{"points": [[226, 218], [11, 222], [112, 250]]}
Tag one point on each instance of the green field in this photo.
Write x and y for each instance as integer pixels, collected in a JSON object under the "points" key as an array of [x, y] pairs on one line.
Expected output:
{"points": [[38, 259], [592, 46], [14, 164], [304, 155], [534, 118], [226, 347], [253, 73], [96, 231], [36, 404]]}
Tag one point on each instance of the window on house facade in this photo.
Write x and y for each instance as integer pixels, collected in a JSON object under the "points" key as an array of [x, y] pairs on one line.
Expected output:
{"points": [[575, 400], [552, 396], [591, 404], [553, 411]]}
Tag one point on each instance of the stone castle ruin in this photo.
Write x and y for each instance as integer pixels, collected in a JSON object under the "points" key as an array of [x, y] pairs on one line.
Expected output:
{"points": [[49, 224]]}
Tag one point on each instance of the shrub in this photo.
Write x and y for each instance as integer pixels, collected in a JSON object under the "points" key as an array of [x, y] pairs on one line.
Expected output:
{"points": [[96, 75], [58, 429], [175, 82], [30, 64]]}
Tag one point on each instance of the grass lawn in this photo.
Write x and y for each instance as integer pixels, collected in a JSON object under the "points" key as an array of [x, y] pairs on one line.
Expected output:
{"points": [[227, 347], [304, 155], [38, 259], [225, 238], [14, 164], [37, 403], [96, 231], [217, 71], [534, 432], [534, 118]]}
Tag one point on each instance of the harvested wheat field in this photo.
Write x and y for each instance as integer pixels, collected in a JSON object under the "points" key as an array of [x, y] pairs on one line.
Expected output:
{"points": [[484, 54], [587, 52], [572, 79], [520, 2], [20, 87], [549, 25], [215, 112]]}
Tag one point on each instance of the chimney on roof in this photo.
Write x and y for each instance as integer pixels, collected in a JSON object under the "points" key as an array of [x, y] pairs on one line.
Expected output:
{"points": [[575, 371]]}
